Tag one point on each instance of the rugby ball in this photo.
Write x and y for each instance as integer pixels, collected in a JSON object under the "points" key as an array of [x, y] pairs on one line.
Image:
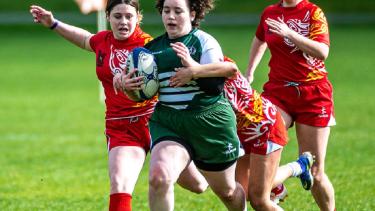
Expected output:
{"points": [[144, 61]]}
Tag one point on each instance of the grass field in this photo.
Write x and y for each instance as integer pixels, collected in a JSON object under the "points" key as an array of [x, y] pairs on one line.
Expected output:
{"points": [[52, 148]]}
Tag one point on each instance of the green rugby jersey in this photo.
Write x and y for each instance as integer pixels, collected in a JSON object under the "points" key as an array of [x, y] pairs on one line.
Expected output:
{"points": [[197, 93]]}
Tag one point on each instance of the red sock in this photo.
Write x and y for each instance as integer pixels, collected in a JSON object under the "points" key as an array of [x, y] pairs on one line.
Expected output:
{"points": [[120, 202]]}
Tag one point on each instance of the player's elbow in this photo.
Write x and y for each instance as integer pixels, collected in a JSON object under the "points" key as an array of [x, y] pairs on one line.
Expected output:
{"points": [[232, 69], [323, 52]]}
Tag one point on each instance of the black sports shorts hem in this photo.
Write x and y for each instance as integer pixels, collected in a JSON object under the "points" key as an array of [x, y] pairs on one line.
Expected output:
{"points": [[174, 139], [213, 166]]}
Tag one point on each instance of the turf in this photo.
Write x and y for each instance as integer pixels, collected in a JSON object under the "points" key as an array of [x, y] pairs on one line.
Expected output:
{"points": [[52, 148]]}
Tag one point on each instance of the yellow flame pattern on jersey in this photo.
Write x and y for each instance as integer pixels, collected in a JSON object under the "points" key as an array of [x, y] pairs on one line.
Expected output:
{"points": [[258, 105], [147, 38], [146, 102], [244, 119], [320, 25], [315, 75]]}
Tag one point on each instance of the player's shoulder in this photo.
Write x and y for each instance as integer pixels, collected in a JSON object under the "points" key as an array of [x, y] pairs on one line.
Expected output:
{"points": [[100, 37], [202, 34], [103, 34], [272, 8], [204, 38], [152, 42], [143, 36], [315, 11], [313, 7]]}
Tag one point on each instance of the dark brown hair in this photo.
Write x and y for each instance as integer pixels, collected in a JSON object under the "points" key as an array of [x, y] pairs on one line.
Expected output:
{"points": [[134, 3], [201, 8]]}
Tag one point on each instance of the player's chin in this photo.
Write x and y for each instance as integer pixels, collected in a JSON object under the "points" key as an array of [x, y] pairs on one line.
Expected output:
{"points": [[122, 35]]}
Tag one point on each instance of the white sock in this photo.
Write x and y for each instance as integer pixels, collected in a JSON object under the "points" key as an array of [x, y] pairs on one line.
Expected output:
{"points": [[296, 168]]}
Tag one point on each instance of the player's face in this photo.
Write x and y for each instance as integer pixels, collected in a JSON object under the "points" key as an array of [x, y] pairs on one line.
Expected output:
{"points": [[123, 20], [177, 18]]}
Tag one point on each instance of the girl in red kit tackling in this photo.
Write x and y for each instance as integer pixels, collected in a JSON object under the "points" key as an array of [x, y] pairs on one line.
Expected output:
{"points": [[126, 121], [261, 132], [296, 33]]}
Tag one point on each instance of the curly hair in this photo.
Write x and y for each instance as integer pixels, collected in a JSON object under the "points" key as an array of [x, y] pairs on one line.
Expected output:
{"points": [[201, 8]]}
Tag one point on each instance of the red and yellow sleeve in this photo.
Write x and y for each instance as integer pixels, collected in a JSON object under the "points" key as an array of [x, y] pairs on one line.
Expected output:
{"points": [[319, 27]]}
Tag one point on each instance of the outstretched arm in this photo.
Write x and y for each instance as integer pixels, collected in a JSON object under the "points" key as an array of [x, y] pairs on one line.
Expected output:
{"points": [[75, 35]]}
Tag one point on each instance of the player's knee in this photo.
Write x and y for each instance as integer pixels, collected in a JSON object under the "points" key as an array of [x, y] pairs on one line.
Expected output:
{"points": [[199, 187], [319, 174], [258, 204], [257, 199], [159, 180], [320, 178], [227, 194], [117, 184]]}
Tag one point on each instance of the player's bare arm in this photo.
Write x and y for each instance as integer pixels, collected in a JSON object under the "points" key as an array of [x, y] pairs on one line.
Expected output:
{"points": [[193, 70], [257, 50], [311, 47], [75, 35], [220, 69]]}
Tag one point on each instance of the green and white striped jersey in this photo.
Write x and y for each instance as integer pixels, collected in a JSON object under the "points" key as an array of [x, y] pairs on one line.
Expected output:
{"points": [[204, 49]]}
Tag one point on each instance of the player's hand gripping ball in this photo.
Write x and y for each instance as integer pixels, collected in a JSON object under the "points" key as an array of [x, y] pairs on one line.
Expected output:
{"points": [[144, 61]]}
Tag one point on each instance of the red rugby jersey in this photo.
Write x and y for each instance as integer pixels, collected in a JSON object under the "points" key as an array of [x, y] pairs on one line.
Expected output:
{"points": [[287, 62], [111, 55], [248, 105], [250, 108]]}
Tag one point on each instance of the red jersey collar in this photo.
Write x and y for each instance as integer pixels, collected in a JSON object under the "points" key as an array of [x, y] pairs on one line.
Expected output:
{"points": [[134, 38]]}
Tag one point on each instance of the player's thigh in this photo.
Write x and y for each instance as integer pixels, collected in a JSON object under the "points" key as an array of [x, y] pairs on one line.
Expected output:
{"points": [[286, 117], [168, 159], [125, 164], [262, 172], [191, 179], [313, 139], [243, 170], [221, 182]]}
